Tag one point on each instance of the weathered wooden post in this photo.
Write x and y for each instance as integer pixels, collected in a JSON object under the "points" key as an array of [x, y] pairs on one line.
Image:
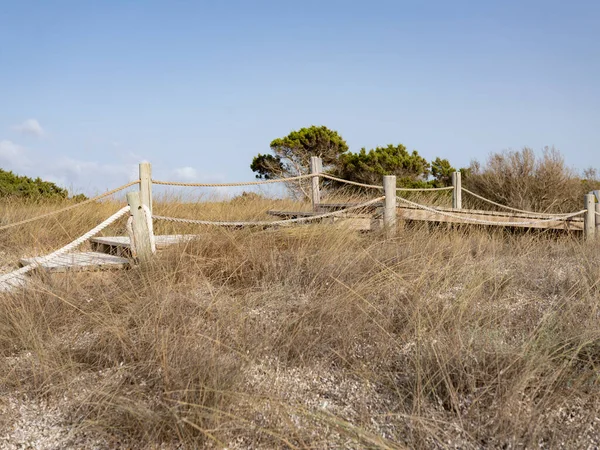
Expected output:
{"points": [[389, 208], [146, 184], [141, 243], [597, 215], [589, 224], [457, 192], [316, 165]]}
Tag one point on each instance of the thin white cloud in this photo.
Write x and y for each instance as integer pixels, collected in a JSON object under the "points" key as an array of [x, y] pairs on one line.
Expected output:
{"points": [[13, 156], [189, 174], [30, 127], [89, 177], [77, 170], [185, 174]]}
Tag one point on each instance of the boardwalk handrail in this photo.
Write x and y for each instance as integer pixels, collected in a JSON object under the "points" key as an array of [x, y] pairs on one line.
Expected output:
{"points": [[241, 183], [551, 217], [268, 223], [142, 244], [557, 218], [376, 186], [353, 183], [296, 178], [261, 182], [510, 208], [457, 188]]}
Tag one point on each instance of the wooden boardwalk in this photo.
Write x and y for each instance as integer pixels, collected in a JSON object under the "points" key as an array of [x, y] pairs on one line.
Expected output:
{"points": [[110, 252], [114, 252], [381, 213], [461, 216], [80, 261], [121, 245], [518, 220]]}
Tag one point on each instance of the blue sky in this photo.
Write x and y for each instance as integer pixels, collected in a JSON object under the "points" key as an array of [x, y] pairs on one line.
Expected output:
{"points": [[88, 89]]}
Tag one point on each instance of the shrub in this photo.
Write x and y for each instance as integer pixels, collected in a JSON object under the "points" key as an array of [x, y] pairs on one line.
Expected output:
{"points": [[12, 185], [522, 179]]}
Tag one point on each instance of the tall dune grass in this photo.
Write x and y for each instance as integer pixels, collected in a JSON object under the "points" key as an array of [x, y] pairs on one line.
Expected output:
{"points": [[310, 337]]}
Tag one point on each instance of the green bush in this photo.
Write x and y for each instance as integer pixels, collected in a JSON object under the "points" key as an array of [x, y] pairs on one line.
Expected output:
{"points": [[410, 168], [12, 185]]}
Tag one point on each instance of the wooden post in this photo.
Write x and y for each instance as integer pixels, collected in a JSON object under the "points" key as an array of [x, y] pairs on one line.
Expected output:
{"points": [[457, 192], [146, 184], [597, 210], [589, 226], [316, 165], [389, 209], [142, 244]]}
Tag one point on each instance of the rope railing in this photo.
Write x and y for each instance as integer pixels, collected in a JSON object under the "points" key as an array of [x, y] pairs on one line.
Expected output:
{"points": [[446, 188], [243, 183], [66, 249], [376, 186], [140, 226], [558, 218], [268, 223], [353, 183], [296, 178], [510, 208], [68, 208]]}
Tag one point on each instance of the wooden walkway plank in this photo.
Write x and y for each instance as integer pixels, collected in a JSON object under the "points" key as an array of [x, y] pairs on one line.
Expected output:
{"points": [[116, 244], [80, 261], [505, 214], [416, 214], [105, 258], [574, 224], [112, 251]]}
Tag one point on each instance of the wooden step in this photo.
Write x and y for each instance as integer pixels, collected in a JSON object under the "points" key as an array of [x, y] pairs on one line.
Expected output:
{"points": [[323, 209], [121, 245], [80, 261]]}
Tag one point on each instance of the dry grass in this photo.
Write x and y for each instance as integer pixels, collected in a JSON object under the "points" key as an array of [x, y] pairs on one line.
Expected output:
{"points": [[306, 337]]}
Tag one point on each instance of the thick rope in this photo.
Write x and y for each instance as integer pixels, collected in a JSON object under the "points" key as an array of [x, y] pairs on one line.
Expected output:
{"points": [[510, 208], [354, 183], [67, 248], [489, 222], [447, 188], [300, 177], [268, 223], [245, 183], [374, 186], [68, 208]]}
